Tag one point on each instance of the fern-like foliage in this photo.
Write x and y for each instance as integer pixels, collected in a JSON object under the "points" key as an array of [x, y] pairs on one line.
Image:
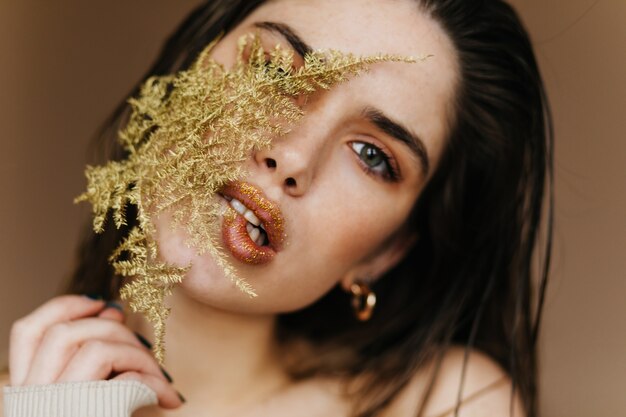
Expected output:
{"points": [[186, 138]]}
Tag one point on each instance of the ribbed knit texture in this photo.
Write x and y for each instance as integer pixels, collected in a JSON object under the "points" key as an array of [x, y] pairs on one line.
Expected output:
{"points": [[78, 399]]}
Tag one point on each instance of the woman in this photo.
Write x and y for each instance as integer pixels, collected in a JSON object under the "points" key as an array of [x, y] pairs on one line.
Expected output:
{"points": [[420, 183]]}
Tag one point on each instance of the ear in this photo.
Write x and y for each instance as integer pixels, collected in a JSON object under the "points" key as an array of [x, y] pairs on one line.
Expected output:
{"points": [[376, 266]]}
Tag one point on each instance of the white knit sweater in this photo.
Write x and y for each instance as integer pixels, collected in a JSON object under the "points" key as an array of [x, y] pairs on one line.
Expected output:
{"points": [[78, 399]]}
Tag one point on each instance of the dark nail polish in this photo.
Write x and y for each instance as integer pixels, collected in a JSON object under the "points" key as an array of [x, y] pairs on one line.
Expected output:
{"points": [[113, 304], [143, 341], [181, 397], [167, 375], [94, 297]]}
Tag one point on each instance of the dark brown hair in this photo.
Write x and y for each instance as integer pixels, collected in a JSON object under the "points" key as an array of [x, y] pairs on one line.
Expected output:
{"points": [[468, 280]]}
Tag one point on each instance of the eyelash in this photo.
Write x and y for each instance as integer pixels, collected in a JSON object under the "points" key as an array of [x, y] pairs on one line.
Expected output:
{"points": [[280, 71], [390, 173]]}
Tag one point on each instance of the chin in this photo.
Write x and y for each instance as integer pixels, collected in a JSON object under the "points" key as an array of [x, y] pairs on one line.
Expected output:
{"points": [[208, 285]]}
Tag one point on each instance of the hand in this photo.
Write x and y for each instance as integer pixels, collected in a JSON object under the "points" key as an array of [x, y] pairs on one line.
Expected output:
{"points": [[75, 338]]}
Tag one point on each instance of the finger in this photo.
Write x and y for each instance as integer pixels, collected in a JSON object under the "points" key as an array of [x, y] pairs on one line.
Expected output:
{"points": [[112, 311], [62, 340], [168, 397], [26, 333], [98, 359]]}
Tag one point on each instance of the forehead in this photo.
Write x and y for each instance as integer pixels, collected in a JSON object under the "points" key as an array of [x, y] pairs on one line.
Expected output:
{"points": [[418, 95]]}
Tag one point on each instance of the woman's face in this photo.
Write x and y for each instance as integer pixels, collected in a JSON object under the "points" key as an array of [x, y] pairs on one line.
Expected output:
{"points": [[346, 177]]}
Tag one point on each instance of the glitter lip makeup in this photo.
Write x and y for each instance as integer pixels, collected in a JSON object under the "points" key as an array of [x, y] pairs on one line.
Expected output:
{"points": [[174, 163], [253, 227]]}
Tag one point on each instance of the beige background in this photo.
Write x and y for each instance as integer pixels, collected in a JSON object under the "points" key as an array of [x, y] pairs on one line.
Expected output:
{"points": [[65, 64]]}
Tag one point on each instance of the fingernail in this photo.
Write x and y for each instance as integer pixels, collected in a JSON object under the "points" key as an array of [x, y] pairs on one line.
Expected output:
{"points": [[113, 304], [143, 341], [147, 344], [94, 297], [181, 397], [166, 375]]}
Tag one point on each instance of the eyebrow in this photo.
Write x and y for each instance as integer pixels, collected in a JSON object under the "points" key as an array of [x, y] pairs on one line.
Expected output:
{"points": [[301, 47], [399, 132], [374, 116]]}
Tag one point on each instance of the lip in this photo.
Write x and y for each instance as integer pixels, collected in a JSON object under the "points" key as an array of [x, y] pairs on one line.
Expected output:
{"points": [[234, 233]]}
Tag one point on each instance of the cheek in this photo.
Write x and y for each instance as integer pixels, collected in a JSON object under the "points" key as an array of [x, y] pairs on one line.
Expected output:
{"points": [[361, 229], [332, 239], [369, 211], [173, 248]]}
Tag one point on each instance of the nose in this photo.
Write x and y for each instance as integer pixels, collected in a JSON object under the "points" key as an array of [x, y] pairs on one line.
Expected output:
{"points": [[294, 161], [289, 163]]}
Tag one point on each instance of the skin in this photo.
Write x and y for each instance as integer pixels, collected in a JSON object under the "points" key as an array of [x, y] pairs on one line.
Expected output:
{"points": [[319, 156], [72, 338]]}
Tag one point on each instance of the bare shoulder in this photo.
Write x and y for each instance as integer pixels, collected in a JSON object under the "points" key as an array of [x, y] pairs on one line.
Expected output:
{"points": [[486, 389]]}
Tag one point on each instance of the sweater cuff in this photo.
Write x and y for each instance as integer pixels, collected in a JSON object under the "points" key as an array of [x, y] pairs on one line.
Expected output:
{"points": [[78, 399]]}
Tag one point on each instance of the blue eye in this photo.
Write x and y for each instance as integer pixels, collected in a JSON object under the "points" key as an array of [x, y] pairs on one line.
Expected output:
{"points": [[374, 160]]}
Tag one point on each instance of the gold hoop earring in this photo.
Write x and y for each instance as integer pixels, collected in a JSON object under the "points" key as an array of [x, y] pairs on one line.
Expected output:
{"points": [[363, 301]]}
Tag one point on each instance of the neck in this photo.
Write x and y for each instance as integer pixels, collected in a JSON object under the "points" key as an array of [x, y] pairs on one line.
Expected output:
{"points": [[218, 357]]}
